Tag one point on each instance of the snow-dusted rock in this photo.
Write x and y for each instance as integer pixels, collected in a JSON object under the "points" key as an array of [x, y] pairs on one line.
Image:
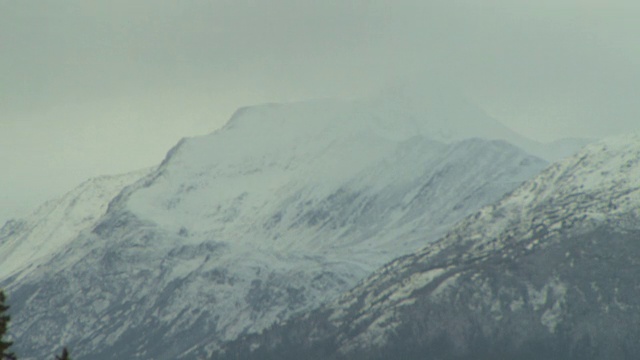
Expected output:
{"points": [[551, 271]]}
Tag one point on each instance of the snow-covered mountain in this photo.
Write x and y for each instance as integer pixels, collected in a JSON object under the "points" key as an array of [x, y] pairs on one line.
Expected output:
{"points": [[552, 271], [27, 243], [284, 208]]}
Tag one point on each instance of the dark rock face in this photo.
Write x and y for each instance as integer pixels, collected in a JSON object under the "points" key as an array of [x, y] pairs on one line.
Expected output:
{"points": [[576, 297]]}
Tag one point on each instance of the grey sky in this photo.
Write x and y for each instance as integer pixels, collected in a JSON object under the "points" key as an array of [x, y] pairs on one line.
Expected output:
{"points": [[98, 87]]}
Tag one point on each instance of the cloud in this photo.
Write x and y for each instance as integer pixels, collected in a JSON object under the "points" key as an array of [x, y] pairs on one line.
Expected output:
{"points": [[81, 76], [572, 61]]}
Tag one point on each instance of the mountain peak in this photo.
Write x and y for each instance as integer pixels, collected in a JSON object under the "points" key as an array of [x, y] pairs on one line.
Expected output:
{"points": [[550, 271], [397, 114], [280, 210]]}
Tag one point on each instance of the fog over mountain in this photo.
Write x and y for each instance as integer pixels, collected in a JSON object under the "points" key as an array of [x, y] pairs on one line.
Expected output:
{"points": [[105, 87]]}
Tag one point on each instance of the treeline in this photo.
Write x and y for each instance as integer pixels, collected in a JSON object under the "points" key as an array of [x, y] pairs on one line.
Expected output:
{"points": [[5, 353]]}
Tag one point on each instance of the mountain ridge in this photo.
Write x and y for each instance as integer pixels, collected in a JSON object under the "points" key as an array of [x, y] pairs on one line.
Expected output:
{"points": [[548, 272], [56, 221]]}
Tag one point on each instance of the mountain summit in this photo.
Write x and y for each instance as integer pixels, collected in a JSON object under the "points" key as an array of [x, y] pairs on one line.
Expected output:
{"points": [[281, 210], [549, 272]]}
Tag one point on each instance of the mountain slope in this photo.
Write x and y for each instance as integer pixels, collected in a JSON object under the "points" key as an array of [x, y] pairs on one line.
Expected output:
{"points": [[443, 114], [284, 208], [27, 243], [549, 272]]}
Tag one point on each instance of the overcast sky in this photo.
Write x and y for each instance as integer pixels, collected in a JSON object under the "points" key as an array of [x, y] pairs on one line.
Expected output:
{"points": [[101, 87]]}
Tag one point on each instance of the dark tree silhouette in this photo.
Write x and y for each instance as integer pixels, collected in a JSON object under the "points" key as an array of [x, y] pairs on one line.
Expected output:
{"points": [[64, 356], [5, 354]]}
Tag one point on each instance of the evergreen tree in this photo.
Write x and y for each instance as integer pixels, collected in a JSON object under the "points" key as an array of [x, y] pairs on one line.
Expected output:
{"points": [[5, 354], [64, 356]]}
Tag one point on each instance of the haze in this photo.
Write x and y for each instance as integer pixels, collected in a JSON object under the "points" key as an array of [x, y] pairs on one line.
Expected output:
{"points": [[102, 87]]}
